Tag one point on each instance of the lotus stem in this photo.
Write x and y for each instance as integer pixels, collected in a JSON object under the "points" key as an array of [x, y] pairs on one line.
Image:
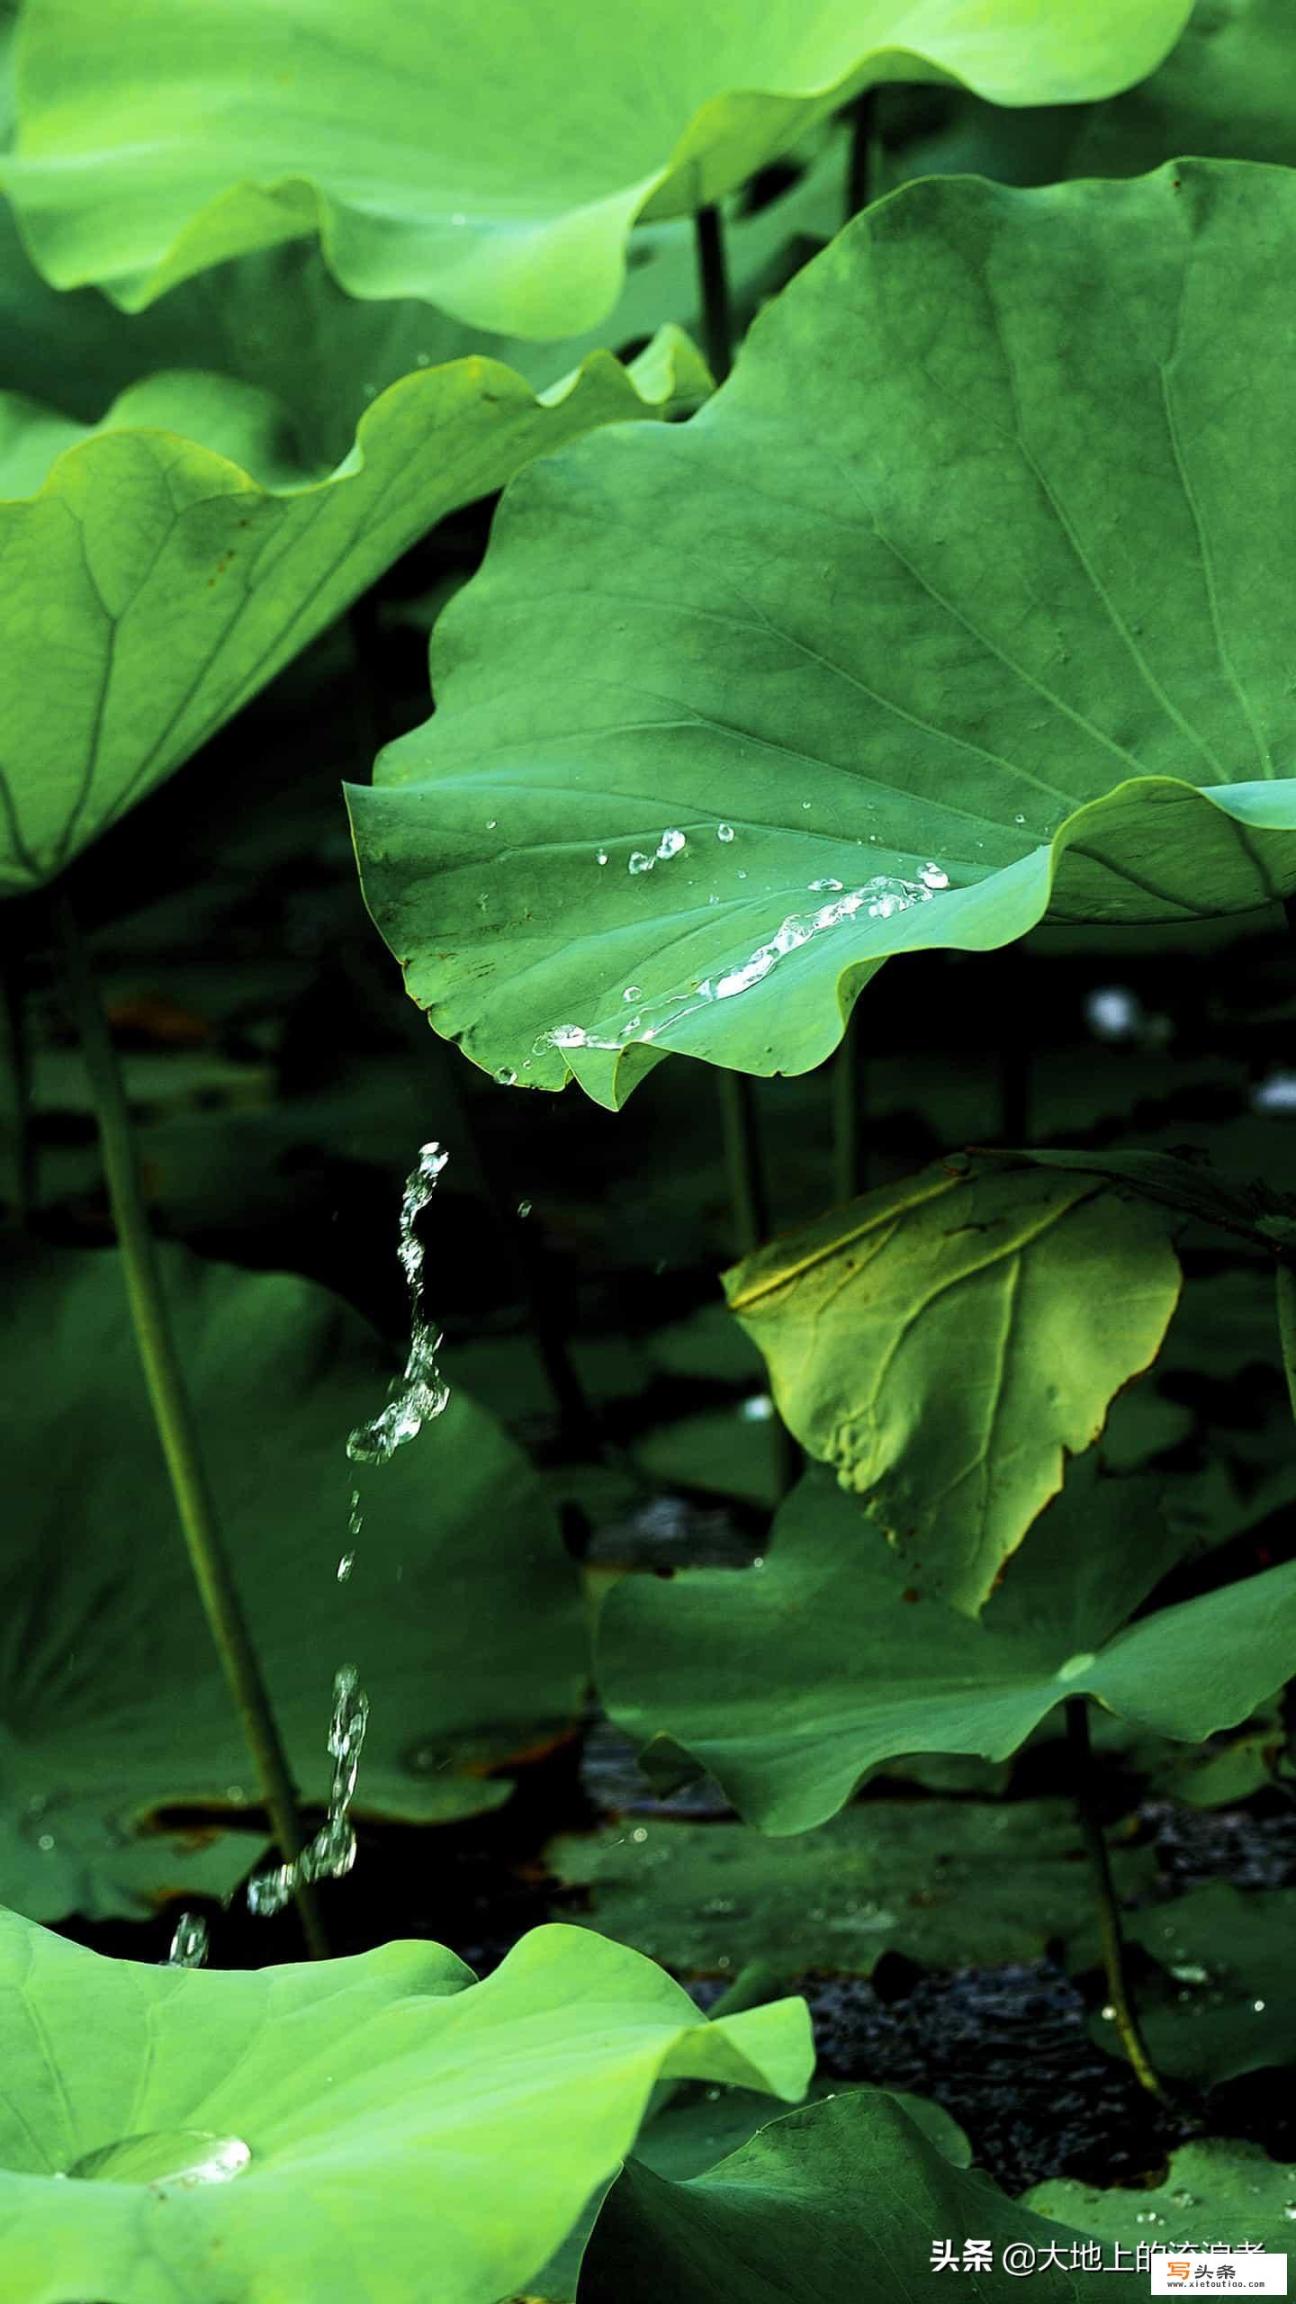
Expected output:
{"points": [[861, 163], [748, 1199], [18, 1048], [177, 1425], [713, 280], [850, 1153], [747, 1196], [1119, 1994]]}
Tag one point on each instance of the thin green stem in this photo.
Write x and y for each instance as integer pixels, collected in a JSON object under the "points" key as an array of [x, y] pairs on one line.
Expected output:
{"points": [[1109, 1927], [748, 1199], [713, 280], [863, 156], [176, 1422], [18, 1040], [850, 1153]]}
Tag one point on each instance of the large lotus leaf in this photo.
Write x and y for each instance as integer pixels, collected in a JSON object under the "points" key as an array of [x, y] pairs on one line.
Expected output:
{"points": [[279, 320], [1213, 2191], [789, 1680], [490, 162], [1045, 1300], [462, 1612], [158, 567], [385, 2127], [1222, 2002], [956, 607], [1225, 92], [949, 1883], [845, 2199]]}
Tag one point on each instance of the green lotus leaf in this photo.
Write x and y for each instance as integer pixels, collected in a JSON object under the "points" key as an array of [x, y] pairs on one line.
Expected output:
{"points": [[949, 1883], [279, 320], [462, 1613], [1213, 2191], [1221, 2005], [841, 2200], [492, 165], [1225, 92], [954, 609], [1046, 1300], [156, 568], [787, 1682], [350, 2131], [700, 2126]]}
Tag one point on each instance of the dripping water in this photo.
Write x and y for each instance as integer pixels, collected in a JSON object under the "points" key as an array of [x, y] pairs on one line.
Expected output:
{"points": [[189, 1943], [422, 1392], [420, 1395], [332, 1852]]}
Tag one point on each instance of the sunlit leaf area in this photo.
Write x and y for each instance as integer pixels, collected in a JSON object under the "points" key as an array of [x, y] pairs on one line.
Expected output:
{"points": [[647, 1150]]}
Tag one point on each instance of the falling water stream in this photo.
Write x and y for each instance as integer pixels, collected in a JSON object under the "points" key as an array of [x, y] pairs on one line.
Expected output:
{"points": [[419, 1395]]}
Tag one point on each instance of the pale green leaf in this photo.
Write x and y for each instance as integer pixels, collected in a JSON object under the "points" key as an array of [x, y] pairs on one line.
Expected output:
{"points": [[1045, 1294], [492, 162], [405, 2130]]}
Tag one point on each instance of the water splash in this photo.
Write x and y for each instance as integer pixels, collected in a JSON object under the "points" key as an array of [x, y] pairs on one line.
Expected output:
{"points": [[332, 1852], [422, 1392], [189, 1943], [884, 897]]}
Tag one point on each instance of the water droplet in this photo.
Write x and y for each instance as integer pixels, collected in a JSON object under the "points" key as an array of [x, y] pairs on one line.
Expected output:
{"points": [[1276, 1094], [164, 2158], [821, 887], [344, 1567], [422, 1393], [1257, 2007], [724, 832], [670, 845], [189, 1943], [639, 862], [640, 1833], [934, 876], [1112, 1013], [506, 1076], [563, 1036], [492, 823], [45, 1842], [632, 992], [600, 855], [758, 1560], [758, 1409], [1108, 2014], [1019, 818]]}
